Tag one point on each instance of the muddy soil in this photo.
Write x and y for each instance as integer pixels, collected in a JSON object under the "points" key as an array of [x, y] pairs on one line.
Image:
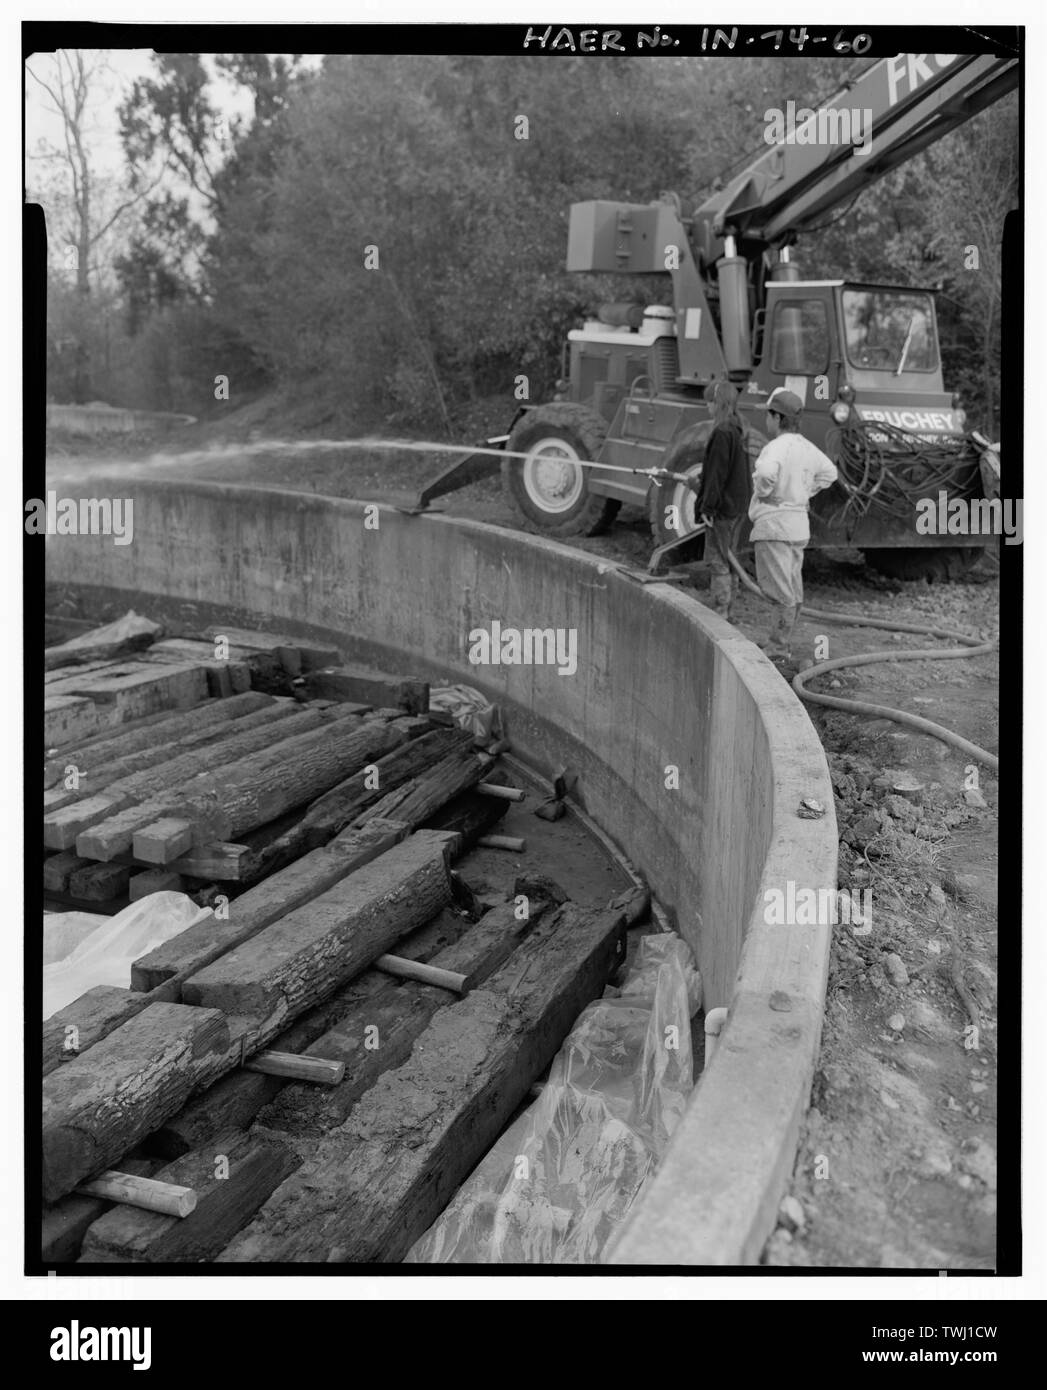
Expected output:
{"points": [[897, 1162]]}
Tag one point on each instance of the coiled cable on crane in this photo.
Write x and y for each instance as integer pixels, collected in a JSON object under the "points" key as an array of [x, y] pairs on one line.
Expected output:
{"points": [[969, 646], [881, 466]]}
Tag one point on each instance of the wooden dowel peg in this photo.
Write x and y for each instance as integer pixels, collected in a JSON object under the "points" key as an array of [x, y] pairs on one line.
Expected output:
{"points": [[295, 1067], [513, 842], [427, 974], [147, 1193], [494, 789], [504, 792]]}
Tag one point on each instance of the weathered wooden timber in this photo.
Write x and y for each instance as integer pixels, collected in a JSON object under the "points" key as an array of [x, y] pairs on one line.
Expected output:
{"points": [[152, 731], [111, 700], [59, 868], [160, 780], [259, 907], [358, 683], [99, 1105], [423, 795], [97, 771], [375, 1184], [231, 1178], [92, 1016], [154, 881], [288, 966], [377, 1032], [297, 653], [99, 883], [243, 795], [65, 1222], [336, 809], [234, 1101]]}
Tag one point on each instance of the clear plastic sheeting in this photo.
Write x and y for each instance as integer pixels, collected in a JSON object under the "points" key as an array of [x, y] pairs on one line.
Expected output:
{"points": [[64, 931], [469, 709], [561, 1180], [78, 957]]}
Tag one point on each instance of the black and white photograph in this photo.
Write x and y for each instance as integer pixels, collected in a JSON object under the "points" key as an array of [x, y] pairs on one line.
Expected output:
{"points": [[522, 540]]}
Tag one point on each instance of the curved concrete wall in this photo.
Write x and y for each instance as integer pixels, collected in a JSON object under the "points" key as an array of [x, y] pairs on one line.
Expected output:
{"points": [[661, 683]]}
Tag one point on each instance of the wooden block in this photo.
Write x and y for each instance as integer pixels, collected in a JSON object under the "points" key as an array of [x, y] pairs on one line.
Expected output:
{"points": [[224, 677], [284, 647], [254, 1167], [68, 718], [155, 881], [59, 868], [162, 840], [515, 843], [359, 683], [101, 1104], [72, 1030], [110, 836], [98, 883], [146, 689], [237, 663], [308, 654], [219, 860], [235, 1100], [145, 1194], [374, 1185], [62, 826], [256, 909], [305, 955], [65, 681], [66, 1222]]}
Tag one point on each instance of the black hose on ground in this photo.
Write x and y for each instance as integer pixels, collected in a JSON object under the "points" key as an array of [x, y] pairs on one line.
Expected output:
{"points": [[969, 646]]}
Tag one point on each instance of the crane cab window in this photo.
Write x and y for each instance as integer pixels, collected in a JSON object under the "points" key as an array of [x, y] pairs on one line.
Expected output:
{"points": [[800, 338], [890, 331]]}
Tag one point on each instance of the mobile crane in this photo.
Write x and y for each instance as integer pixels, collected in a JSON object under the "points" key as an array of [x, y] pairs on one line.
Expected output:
{"points": [[863, 358]]}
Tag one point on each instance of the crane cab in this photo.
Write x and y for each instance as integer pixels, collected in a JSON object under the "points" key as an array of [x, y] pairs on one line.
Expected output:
{"points": [[857, 355]]}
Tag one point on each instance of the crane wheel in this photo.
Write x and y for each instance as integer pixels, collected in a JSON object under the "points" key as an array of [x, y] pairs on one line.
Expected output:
{"points": [[549, 489]]}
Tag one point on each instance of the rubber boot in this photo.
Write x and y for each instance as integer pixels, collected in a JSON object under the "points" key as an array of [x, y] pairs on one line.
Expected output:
{"points": [[721, 593], [778, 642]]}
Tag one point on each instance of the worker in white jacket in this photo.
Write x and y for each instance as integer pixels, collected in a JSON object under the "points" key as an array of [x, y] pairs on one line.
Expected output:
{"points": [[788, 473]]}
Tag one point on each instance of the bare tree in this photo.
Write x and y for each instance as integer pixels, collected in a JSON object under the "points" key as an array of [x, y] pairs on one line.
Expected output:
{"points": [[73, 80]]}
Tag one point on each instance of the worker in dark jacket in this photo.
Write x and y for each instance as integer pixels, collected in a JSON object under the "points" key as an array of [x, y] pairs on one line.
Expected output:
{"points": [[722, 493]]}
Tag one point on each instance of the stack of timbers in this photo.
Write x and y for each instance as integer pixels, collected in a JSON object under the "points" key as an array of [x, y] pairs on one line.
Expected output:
{"points": [[174, 764], [309, 1073], [313, 1103], [283, 1069]]}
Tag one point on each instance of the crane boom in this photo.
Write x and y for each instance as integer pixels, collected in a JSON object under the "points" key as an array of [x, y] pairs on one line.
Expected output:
{"points": [[900, 104]]}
